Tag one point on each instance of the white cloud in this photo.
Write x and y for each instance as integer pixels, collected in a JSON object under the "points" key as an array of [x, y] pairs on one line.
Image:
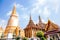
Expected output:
{"points": [[46, 12], [37, 8], [56, 9], [54, 5], [19, 6], [39, 11], [3, 23], [17, 13], [53, 21], [37, 5], [43, 20], [9, 13], [35, 22], [48, 5], [24, 16], [41, 2]]}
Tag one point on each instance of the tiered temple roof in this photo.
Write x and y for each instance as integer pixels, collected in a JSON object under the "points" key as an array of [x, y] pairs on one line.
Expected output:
{"points": [[51, 26], [41, 25], [30, 24]]}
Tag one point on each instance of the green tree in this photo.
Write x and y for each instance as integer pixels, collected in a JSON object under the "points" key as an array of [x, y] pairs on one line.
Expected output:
{"points": [[25, 38], [40, 34]]}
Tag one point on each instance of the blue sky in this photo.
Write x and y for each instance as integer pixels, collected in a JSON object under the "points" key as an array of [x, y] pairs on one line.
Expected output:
{"points": [[47, 9]]}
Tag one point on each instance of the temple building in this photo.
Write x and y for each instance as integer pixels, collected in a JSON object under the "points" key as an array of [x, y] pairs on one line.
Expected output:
{"points": [[41, 25], [52, 31], [51, 26], [13, 29], [31, 29], [13, 25]]}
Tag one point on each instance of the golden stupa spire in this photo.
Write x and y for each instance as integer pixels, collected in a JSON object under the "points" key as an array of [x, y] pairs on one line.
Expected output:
{"points": [[14, 10]]}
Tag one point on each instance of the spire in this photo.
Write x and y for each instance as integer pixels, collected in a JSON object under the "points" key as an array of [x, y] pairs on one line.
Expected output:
{"points": [[30, 17], [14, 10], [31, 21], [13, 17], [40, 19]]}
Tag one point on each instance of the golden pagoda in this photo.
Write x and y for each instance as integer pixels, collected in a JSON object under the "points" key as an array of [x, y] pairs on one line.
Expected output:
{"points": [[13, 24]]}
